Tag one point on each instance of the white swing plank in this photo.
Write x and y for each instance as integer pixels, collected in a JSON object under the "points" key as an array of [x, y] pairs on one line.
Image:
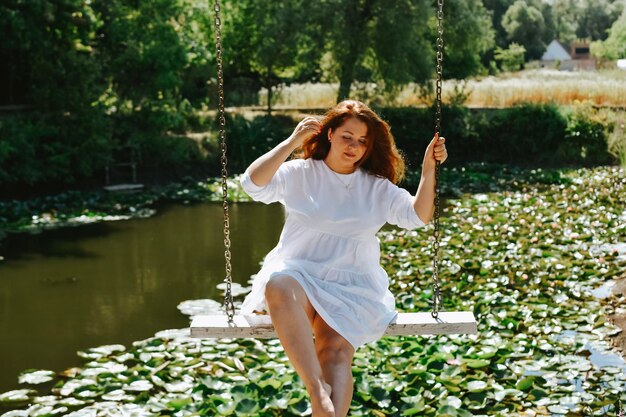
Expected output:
{"points": [[260, 326]]}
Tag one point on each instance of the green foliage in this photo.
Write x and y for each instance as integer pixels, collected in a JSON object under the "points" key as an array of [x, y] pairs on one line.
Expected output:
{"points": [[249, 139], [614, 47], [497, 9], [535, 135], [276, 41], [525, 134], [617, 135], [586, 138], [103, 74], [469, 34], [525, 25], [535, 23], [365, 49], [595, 17], [512, 58], [49, 149]]}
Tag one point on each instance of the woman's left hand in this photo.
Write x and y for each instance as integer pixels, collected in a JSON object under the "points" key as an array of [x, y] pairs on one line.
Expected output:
{"points": [[436, 151]]}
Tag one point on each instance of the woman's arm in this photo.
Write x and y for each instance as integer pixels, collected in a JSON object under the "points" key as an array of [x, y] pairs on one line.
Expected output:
{"points": [[424, 201], [263, 169]]}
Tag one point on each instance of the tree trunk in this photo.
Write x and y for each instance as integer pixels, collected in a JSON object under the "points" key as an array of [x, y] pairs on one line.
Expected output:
{"points": [[358, 15], [347, 75], [269, 98], [268, 85]]}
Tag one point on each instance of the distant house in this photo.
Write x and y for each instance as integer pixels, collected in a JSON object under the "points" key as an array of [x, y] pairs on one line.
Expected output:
{"points": [[574, 57], [556, 52]]}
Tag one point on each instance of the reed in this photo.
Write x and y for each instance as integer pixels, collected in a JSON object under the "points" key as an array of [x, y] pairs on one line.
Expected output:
{"points": [[601, 88]]}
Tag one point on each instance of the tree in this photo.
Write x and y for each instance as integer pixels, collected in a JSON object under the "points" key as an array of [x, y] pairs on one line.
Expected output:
{"points": [[144, 59], [468, 35], [587, 19], [381, 41], [272, 41], [525, 25], [565, 14], [512, 58], [596, 17], [497, 9], [614, 47], [65, 135]]}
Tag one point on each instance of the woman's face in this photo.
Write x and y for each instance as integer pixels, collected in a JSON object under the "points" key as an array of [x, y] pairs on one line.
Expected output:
{"points": [[348, 142]]}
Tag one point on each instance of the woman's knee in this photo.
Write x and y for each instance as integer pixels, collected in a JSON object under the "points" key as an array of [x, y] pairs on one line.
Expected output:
{"points": [[281, 288], [335, 351]]}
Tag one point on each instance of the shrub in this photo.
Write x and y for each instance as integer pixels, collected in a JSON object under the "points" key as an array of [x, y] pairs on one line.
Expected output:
{"points": [[585, 138], [526, 134], [616, 136]]}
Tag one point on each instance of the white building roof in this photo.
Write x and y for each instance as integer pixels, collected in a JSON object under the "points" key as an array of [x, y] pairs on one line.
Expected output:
{"points": [[555, 51]]}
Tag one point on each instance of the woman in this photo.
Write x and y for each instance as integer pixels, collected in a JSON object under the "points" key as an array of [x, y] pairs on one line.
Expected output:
{"points": [[324, 275]]}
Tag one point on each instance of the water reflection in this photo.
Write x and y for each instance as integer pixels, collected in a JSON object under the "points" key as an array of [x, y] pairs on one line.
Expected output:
{"points": [[70, 289]]}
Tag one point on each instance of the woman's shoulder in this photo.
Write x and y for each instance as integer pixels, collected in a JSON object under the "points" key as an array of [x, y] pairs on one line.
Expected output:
{"points": [[375, 180], [296, 163]]}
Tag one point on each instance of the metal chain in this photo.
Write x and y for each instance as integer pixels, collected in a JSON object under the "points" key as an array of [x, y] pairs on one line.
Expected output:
{"points": [[229, 306], [437, 297]]}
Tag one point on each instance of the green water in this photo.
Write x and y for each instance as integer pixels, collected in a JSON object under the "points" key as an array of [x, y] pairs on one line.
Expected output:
{"points": [[117, 282]]}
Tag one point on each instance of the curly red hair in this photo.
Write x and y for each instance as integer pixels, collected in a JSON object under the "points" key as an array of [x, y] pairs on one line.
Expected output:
{"points": [[381, 158]]}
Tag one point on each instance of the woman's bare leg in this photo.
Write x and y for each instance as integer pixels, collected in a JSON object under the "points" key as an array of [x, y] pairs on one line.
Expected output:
{"points": [[292, 316], [335, 355]]}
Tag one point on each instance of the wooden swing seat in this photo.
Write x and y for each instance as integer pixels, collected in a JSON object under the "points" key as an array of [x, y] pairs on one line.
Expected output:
{"points": [[406, 324]]}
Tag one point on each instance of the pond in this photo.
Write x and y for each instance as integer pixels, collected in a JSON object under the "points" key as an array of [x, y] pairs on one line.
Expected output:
{"points": [[116, 282]]}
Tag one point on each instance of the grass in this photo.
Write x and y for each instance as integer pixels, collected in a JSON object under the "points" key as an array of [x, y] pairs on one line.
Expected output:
{"points": [[601, 88]]}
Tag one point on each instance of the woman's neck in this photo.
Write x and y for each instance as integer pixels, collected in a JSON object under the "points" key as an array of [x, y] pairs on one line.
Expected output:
{"points": [[338, 167]]}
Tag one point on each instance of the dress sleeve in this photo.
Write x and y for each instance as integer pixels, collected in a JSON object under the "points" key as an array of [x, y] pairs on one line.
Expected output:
{"points": [[271, 192], [401, 211]]}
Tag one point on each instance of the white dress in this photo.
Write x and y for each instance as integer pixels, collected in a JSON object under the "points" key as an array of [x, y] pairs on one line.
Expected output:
{"points": [[329, 244]]}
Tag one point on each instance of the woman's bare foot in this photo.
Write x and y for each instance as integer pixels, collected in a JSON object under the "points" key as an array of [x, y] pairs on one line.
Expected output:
{"points": [[321, 403]]}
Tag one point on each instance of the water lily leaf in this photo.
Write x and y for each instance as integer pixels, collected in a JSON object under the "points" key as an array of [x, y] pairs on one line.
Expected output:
{"points": [[537, 394], [476, 386], [36, 376], [117, 395], [247, 407], [227, 408], [502, 394], [76, 384], [452, 401], [301, 408], [16, 396], [47, 410], [16, 413], [179, 403], [487, 352], [173, 334], [558, 409], [138, 386], [475, 400], [178, 386], [72, 402], [524, 384], [101, 351], [476, 363]]}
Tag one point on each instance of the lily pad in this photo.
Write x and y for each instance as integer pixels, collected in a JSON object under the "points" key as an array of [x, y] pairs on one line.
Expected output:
{"points": [[36, 376], [17, 396]]}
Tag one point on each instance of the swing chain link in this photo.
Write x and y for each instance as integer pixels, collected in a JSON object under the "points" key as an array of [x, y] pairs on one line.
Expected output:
{"points": [[229, 306], [437, 297]]}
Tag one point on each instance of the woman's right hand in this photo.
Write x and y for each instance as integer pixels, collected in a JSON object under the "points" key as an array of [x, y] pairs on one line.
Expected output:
{"points": [[307, 128]]}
